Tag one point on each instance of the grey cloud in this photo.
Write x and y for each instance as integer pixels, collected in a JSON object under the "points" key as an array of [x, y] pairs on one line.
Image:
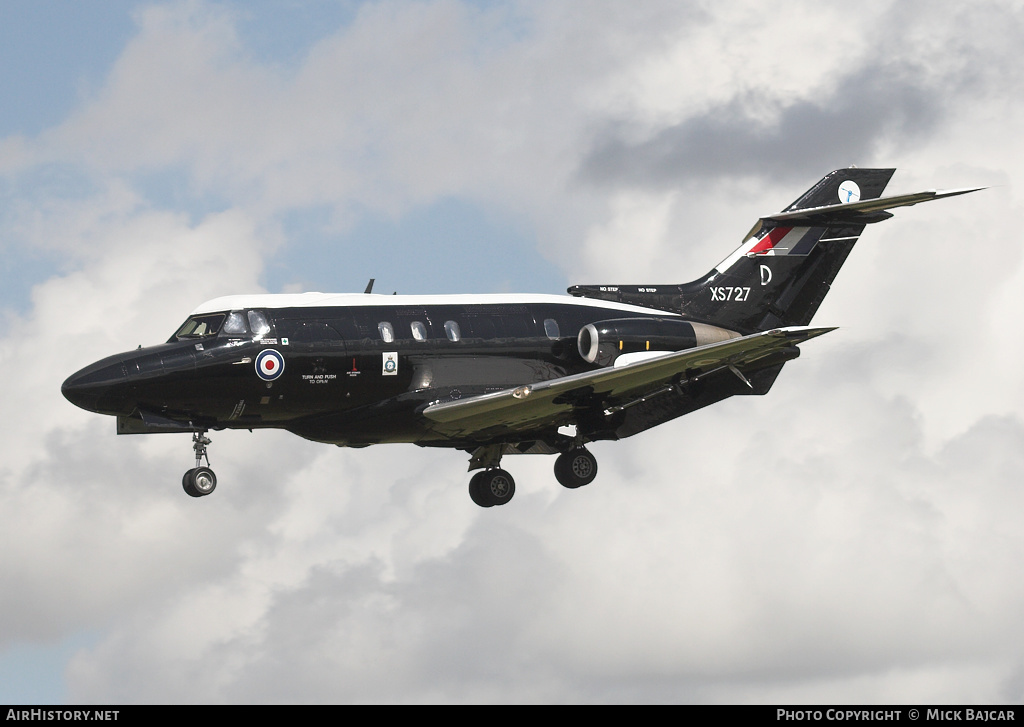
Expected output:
{"points": [[455, 628], [808, 136]]}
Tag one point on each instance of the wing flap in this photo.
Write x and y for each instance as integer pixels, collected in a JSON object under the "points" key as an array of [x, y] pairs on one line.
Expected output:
{"points": [[554, 400]]}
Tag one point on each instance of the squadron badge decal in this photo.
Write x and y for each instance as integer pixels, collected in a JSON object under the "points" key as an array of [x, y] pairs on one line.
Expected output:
{"points": [[849, 191]]}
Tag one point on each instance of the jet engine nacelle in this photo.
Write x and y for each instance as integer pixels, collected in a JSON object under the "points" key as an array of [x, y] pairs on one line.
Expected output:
{"points": [[603, 342]]}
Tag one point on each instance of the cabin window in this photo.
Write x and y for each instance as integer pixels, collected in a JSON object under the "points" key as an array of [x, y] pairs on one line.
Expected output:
{"points": [[387, 333], [201, 326], [551, 328], [258, 323], [451, 329], [234, 325], [419, 331]]}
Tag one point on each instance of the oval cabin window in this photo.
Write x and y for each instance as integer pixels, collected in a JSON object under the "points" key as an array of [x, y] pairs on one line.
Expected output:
{"points": [[451, 329]]}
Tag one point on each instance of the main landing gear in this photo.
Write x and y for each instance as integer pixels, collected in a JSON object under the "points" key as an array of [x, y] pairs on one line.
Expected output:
{"points": [[575, 468], [199, 481], [494, 486]]}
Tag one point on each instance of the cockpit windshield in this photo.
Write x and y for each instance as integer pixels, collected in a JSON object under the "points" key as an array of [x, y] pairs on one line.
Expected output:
{"points": [[235, 324], [200, 326]]}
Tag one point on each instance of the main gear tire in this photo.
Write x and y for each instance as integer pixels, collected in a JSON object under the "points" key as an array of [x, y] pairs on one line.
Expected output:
{"points": [[575, 468], [492, 487]]}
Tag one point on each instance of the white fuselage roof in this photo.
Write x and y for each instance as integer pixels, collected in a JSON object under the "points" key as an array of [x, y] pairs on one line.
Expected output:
{"points": [[350, 300]]}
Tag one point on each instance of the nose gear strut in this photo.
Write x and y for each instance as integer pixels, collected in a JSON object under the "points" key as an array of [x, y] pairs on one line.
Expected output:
{"points": [[199, 442]]}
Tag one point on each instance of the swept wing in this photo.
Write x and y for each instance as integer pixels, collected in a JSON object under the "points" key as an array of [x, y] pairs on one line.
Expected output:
{"points": [[547, 402]]}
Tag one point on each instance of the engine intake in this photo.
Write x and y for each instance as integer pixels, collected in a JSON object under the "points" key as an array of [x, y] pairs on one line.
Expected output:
{"points": [[602, 342]]}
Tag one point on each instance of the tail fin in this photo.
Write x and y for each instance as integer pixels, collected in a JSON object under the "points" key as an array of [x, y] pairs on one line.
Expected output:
{"points": [[785, 265]]}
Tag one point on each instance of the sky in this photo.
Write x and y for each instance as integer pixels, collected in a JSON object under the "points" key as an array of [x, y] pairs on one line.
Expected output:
{"points": [[852, 537]]}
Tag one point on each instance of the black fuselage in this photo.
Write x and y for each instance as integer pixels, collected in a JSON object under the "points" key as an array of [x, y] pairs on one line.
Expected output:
{"points": [[346, 374]]}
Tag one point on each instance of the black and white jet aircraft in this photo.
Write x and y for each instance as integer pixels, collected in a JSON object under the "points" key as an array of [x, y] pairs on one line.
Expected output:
{"points": [[497, 374]]}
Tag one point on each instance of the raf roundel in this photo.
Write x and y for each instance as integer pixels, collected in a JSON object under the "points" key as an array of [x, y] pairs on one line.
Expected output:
{"points": [[269, 365]]}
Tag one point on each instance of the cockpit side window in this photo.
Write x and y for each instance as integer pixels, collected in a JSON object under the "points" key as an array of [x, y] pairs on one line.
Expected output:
{"points": [[200, 326], [258, 323], [235, 324]]}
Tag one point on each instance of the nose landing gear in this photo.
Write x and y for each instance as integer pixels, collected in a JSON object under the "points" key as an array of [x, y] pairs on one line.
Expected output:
{"points": [[199, 481]]}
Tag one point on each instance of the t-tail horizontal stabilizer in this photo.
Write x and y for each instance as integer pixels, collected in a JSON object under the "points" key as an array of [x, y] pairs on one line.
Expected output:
{"points": [[862, 212]]}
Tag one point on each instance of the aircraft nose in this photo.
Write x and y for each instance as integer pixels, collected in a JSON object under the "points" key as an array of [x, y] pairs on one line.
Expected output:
{"points": [[101, 387]]}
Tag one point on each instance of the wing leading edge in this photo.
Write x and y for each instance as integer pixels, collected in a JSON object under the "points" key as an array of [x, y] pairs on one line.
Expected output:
{"points": [[552, 402]]}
